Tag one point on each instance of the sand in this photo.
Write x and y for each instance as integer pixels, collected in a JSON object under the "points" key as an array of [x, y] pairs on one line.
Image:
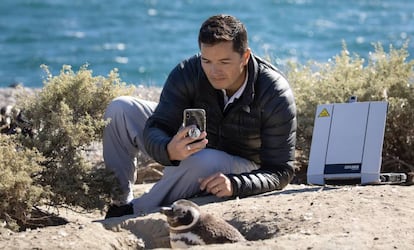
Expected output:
{"points": [[299, 217]]}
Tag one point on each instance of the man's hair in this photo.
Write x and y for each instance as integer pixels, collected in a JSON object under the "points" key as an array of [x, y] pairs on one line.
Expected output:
{"points": [[221, 28]]}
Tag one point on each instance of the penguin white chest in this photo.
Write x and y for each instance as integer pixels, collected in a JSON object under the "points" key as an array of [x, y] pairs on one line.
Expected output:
{"points": [[185, 240]]}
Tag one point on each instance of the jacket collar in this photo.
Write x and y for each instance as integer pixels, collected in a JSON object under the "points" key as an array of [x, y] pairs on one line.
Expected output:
{"points": [[249, 92]]}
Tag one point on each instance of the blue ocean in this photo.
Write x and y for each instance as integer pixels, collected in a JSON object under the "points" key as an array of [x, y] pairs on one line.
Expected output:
{"points": [[145, 39]]}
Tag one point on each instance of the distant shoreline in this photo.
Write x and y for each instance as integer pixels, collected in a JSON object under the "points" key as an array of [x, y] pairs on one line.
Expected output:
{"points": [[8, 95]]}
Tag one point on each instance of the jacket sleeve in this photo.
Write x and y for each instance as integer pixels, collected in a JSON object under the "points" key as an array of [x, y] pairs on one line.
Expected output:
{"points": [[278, 140], [167, 117], [259, 181]]}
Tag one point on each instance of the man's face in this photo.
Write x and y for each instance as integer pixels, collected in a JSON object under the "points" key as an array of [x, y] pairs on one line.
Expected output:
{"points": [[225, 68]]}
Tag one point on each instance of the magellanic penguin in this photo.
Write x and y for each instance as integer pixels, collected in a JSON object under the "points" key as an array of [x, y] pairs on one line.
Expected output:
{"points": [[189, 226]]}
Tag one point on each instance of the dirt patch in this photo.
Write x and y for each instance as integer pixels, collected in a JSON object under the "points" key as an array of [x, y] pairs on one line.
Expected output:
{"points": [[301, 216]]}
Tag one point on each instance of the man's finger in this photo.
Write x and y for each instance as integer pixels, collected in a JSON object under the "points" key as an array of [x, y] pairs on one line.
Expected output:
{"points": [[205, 181], [182, 133]]}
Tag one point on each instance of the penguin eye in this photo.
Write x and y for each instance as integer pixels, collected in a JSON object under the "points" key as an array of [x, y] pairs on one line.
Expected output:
{"points": [[186, 217]]}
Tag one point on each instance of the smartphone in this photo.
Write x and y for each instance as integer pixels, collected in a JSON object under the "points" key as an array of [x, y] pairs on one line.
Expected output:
{"points": [[195, 117]]}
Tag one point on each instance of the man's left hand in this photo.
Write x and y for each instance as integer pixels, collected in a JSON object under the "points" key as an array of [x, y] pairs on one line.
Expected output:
{"points": [[217, 184]]}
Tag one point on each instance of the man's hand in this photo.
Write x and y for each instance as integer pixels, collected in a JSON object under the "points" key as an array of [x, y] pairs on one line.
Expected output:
{"points": [[181, 146], [217, 184]]}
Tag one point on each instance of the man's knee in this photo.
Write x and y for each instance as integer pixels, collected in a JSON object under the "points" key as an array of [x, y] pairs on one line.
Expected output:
{"points": [[206, 162], [118, 106]]}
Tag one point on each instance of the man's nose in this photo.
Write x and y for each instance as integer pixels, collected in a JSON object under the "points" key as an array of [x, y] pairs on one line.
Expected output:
{"points": [[215, 69]]}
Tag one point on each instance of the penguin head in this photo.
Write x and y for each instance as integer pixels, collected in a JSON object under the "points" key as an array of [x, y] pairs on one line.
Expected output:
{"points": [[181, 215]]}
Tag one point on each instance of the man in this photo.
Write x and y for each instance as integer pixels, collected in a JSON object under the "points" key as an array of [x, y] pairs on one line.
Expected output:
{"points": [[248, 147]]}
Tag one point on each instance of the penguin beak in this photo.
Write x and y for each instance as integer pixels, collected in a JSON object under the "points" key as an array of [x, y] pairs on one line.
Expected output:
{"points": [[168, 211]]}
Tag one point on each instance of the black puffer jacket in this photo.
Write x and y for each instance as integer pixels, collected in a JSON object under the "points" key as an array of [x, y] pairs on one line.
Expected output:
{"points": [[259, 126]]}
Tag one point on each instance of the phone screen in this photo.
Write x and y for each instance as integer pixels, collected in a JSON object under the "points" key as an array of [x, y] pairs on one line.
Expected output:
{"points": [[195, 117]]}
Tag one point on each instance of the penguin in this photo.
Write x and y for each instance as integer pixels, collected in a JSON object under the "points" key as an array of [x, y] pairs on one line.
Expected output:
{"points": [[189, 226]]}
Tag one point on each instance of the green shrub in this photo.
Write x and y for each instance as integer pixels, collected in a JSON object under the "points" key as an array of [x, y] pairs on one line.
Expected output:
{"points": [[386, 76], [67, 116], [19, 181]]}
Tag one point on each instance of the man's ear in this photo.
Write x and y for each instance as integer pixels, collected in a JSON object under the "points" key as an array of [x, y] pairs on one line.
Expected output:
{"points": [[246, 56]]}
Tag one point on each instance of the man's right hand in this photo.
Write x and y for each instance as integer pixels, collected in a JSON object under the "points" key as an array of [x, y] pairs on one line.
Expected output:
{"points": [[181, 146]]}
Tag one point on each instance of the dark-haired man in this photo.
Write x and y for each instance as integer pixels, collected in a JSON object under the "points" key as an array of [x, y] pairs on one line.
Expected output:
{"points": [[248, 147]]}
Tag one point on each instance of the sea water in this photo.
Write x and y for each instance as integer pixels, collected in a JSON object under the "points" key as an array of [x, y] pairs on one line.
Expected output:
{"points": [[145, 39]]}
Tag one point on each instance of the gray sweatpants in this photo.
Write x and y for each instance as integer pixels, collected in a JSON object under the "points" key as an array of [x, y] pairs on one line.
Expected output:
{"points": [[123, 139]]}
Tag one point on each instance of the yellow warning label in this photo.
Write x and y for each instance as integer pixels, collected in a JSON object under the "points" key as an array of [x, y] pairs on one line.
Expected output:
{"points": [[324, 113]]}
